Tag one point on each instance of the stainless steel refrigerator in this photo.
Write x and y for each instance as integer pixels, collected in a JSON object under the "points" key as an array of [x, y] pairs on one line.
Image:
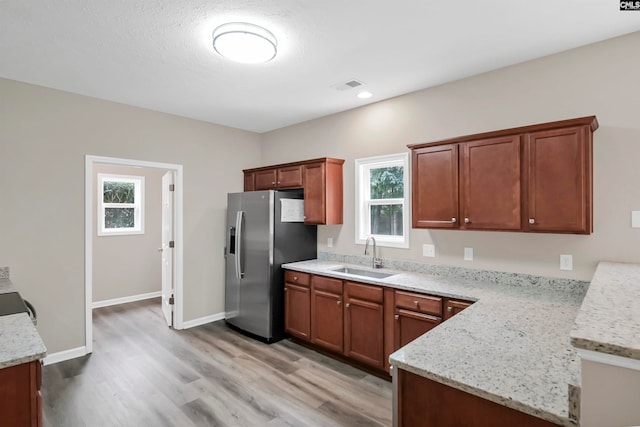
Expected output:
{"points": [[265, 229]]}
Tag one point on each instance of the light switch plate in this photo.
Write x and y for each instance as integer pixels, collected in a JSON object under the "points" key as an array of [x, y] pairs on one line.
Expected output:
{"points": [[429, 250], [566, 262], [468, 254], [329, 242], [635, 219]]}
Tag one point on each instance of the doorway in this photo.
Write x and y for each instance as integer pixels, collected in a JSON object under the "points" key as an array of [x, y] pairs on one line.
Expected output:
{"points": [[172, 245]]}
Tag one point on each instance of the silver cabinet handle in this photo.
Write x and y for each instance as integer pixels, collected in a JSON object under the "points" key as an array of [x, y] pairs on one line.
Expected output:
{"points": [[532, 221], [397, 317], [453, 220], [338, 302], [449, 309], [295, 278], [467, 220], [416, 303], [347, 305]]}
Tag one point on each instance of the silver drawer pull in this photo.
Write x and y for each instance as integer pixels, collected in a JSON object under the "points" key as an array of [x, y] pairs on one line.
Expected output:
{"points": [[532, 221]]}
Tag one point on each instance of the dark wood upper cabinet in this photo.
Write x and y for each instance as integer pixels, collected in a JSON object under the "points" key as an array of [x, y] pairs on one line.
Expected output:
{"points": [[321, 180], [435, 187], [559, 180], [534, 179], [490, 185], [265, 179]]}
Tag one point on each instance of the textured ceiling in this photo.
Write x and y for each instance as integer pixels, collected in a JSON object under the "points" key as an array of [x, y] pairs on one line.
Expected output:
{"points": [[157, 54]]}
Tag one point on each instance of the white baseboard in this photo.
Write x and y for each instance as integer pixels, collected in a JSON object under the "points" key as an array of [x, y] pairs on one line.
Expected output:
{"points": [[123, 300], [202, 320], [61, 356]]}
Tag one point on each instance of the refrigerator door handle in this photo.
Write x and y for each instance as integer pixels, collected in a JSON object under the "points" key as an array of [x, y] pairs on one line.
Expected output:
{"points": [[239, 272]]}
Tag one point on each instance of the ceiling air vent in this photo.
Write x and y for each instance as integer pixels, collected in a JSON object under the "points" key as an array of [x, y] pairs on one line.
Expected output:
{"points": [[348, 85]]}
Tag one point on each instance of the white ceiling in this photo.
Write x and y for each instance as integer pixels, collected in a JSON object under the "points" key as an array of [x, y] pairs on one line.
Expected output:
{"points": [[157, 54]]}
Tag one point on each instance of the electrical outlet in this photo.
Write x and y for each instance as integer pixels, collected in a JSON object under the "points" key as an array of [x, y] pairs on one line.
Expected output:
{"points": [[635, 219], [468, 254], [429, 250], [329, 242], [566, 262]]}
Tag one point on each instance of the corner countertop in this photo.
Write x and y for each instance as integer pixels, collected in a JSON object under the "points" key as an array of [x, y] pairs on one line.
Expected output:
{"points": [[511, 346], [609, 319], [19, 338]]}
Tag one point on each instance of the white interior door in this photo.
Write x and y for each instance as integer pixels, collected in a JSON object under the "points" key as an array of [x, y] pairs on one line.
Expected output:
{"points": [[167, 247]]}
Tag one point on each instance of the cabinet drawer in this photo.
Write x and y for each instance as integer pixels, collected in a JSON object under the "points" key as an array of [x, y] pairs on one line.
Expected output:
{"points": [[296, 277], [418, 302], [364, 292], [327, 284]]}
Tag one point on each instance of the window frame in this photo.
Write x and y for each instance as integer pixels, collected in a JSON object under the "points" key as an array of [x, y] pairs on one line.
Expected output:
{"points": [[138, 206], [364, 202]]}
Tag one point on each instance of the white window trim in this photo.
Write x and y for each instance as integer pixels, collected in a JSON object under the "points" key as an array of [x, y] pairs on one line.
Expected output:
{"points": [[362, 222], [138, 181]]}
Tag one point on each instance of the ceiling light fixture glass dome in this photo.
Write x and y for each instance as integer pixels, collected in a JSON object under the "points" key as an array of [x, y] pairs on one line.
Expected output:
{"points": [[243, 42]]}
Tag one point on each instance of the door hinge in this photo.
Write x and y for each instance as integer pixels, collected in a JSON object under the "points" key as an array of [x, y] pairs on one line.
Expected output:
{"points": [[171, 300], [172, 187], [172, 244]]}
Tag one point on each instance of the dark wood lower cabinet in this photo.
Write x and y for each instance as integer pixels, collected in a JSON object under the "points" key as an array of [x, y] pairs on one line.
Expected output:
{"points": [[297, 311], [20, 399], [411, 324], [364, 324], [426, 403], [327, 326]]}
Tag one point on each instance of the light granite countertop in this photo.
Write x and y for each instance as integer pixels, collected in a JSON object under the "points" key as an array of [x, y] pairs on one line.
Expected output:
{"points": [[511, 346], [609, 319], [19, 338]]}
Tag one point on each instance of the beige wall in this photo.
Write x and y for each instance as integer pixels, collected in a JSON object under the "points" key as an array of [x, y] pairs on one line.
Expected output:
{"points": [[44, 137], [129, 265], [609, 396], [594, 80]]}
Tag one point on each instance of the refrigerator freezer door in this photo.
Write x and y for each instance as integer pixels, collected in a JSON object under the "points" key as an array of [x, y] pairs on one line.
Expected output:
{"points": [[232, 278]]}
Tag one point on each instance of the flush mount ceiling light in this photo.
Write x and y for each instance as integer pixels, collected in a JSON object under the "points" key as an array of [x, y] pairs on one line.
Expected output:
{"points": [[246, 43], [364, 94]]}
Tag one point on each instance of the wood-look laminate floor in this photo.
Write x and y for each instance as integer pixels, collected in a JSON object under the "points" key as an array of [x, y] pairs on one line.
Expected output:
{"points": [[142, 373]]}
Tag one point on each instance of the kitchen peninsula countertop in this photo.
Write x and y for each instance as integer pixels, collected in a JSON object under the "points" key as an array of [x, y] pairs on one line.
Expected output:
{"points": [[609, 319], [19, 339], [511, 346]]}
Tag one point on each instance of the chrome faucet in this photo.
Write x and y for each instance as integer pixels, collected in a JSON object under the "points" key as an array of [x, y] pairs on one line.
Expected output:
{"points": [[375, 261]]}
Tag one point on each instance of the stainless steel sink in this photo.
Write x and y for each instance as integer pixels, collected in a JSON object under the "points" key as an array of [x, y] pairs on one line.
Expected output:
{"points": [[363, 273]]}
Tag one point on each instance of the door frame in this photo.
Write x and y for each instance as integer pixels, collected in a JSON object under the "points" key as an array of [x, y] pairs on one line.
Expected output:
{"points": [[90, 161]]}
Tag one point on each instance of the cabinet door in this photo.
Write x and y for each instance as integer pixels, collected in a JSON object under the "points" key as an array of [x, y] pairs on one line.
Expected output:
{"points": [[248, 181], [435, 187], [297, 311], [364, 324], [314, 193], [290, 177], [20, 400], [453, 307], [266, 179], [327, 326], [558, 180], [410, 325], [490, 184]]}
